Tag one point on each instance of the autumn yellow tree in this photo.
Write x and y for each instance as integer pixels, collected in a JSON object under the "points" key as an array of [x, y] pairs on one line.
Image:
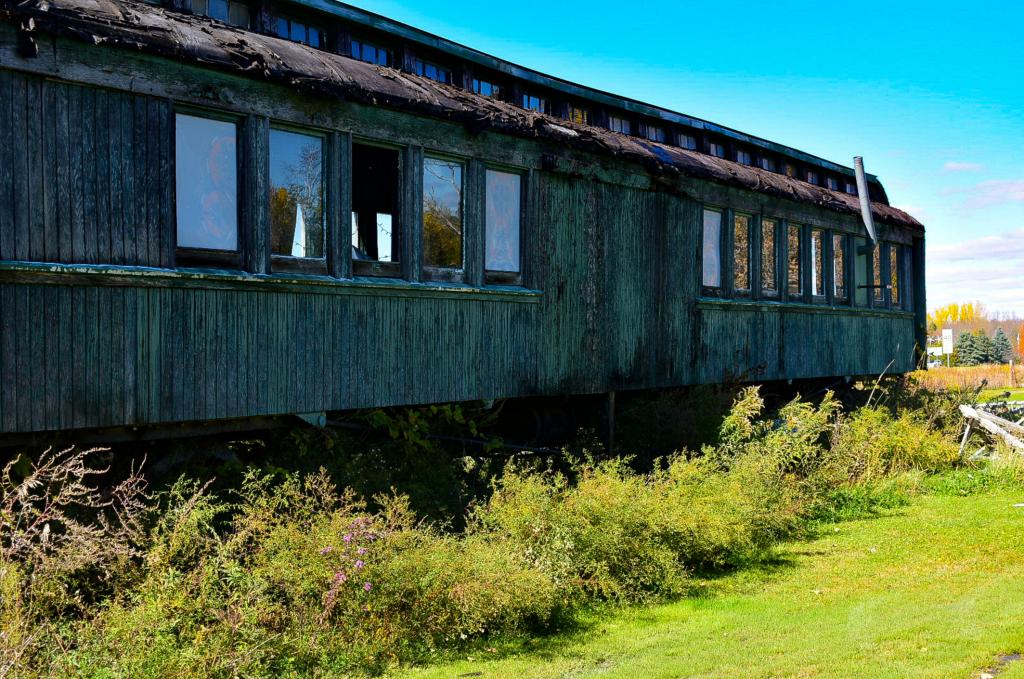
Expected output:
{"points": [[967, 314]]}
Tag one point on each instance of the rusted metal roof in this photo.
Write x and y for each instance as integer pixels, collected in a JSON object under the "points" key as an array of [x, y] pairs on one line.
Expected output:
{"points": [[197, 40]]}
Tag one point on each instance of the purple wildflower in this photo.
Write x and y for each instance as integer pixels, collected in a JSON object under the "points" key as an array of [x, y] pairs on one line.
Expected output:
{"points": [[361, 551], [326, 550], [367, 586], [348, 537], [340, 577], [359, 564]]}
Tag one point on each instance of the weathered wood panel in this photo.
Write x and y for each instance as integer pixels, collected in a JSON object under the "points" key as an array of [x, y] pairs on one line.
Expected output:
{"points": [[84, 174]]}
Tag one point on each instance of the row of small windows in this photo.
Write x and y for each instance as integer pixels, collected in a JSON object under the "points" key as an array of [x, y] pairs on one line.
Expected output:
{"points": [[237, 13], [207, 185], [792, 262]]}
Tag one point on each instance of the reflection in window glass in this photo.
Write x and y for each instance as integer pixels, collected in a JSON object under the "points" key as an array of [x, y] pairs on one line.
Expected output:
{"points": [[743, 157], [617, 124], [812, 177], [768, 250], [839, 259], [832, 183], [717, 150], [654, 133], [504, 194], [375, 185], [442, 213], [432, 71], [370, 53], [817, 262], [741, 253], [876, 272], [486, 88], [766, 164], [206, 176], [688, 141], [860, 271], [296, 195], [712, 272], [894, 275], [795, 285], [579, 115], [534, 103]]}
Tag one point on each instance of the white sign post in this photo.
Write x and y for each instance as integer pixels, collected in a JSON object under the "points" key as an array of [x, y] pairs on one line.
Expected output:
{"points": [[947, 343]]}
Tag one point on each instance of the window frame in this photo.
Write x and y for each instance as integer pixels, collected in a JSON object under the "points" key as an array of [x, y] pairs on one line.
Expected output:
{"points": [[801, 254], [387, 51], [624, 121], [377, 268], [492, 277], [444, 274], [723, 273], [207, 258], [845, 241], [287, 263], [766, 293], [822, 295], [747, 292]]}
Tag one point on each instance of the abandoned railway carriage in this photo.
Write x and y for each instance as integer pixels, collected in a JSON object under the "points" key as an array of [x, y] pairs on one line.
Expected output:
{"points": [[213, 210]]}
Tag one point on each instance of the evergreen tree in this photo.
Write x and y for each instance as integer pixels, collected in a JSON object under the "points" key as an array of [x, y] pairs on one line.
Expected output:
{"points": [[984, 347], [1001, 349], [966, 350]]}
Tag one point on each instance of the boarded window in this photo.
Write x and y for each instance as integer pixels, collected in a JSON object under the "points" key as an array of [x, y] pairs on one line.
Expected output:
{"points": [[795, 285], [741, 253], [442, 213], [432, 71], [296, 195], [717, 150], [894, 275], [839, 265], [860, 271], [375, 190], [504, 198], [206, 183], [533, 102], [579, 115], [817, 262], [486, 88], [768, 257], [617, 124], [712, 259], [876, 273], [370, 53], [688, 141]]}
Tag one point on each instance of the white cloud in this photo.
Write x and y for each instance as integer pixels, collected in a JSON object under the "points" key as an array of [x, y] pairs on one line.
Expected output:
{"points": [[991, 192], [990, 269], [955, 166]]}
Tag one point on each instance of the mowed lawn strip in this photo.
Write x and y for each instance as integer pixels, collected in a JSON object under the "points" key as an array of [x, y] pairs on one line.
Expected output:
{"points": [[936, 590]]}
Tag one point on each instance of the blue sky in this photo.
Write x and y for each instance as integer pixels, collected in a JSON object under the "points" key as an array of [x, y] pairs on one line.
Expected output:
{"points": [[930, 93]]}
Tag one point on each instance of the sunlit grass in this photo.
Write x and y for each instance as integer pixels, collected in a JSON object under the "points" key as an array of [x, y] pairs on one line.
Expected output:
{"points": [[971, 377], [933, 591]]}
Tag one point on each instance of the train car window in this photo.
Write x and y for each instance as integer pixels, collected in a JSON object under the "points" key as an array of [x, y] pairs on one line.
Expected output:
{"points": [[432, 71], [769, 257], [817, 262], [790, 170], [486, 88], [504, 192], [442, 214], [741, 254], [579, 115], [712, 249], [812, 177], [297, 196], [206, 183], [297, 31], [370, 53], [766, 164], [860, 271], [716, 149], [851, 189], [876, 273], [795, 281], [654, 133], [688, 141], [228, 11], [534, 103], [894, 276], [376, 238], [743, 157], [617, 124], [839, 267]]}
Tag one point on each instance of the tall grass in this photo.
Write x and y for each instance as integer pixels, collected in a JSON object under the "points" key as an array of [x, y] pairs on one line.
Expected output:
{"points": [[969, 378]]}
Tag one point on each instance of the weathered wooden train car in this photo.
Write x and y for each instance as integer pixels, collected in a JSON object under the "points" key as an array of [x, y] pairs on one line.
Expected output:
{"points": [[218, 210]]}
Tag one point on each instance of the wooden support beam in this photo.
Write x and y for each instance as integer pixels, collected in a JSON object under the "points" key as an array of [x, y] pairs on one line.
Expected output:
{"points": [[994, 425]]}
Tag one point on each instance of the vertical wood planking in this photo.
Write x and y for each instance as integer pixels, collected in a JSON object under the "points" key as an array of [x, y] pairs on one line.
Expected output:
{"points": [[19, 127], [7, 250]]}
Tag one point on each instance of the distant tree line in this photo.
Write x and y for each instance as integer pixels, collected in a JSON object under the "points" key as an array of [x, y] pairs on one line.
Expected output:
{"points": [[976, 348]]}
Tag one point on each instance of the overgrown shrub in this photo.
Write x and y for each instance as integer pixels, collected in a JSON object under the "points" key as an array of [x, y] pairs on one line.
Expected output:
{"points": [[873, 443]]}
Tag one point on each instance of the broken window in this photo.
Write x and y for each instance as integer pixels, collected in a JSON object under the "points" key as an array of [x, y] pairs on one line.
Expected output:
{"points": [[228, 11], [712, 258], [376, 237], [839, 266], [579, 115], [817, 262], [432, 71], [795, 285], [370, 53], [716, 149], [894, 275], [768, 256], [741, 253], [654, 133], [297, 195], [743, 157], [618, 124], [504, 199], [206, 183], [688, 141], [486, 88], [534, 103], [297, 31], [861, 266], [442, 213], [876, 273]]}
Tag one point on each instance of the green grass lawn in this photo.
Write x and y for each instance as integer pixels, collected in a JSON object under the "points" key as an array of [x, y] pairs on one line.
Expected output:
{"points": [[1000, 395], [936, 590]]}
